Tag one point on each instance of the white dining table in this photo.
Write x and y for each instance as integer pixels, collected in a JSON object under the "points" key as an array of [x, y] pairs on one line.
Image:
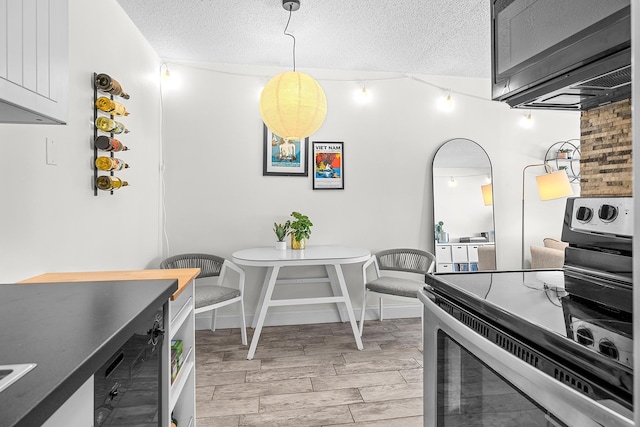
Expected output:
{"points": [[332, 257]]}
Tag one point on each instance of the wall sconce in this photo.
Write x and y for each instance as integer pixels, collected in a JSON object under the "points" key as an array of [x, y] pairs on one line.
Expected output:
{"points": [[293, 104], [551, 185], [487, 194], [452, 182]]}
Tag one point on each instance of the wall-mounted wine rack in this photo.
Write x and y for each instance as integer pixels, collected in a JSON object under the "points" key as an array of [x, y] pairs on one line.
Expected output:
{"points": [[96, 132]]}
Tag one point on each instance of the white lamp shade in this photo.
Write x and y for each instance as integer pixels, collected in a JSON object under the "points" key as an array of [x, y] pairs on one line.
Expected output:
{"points": [[293, 105], [487, 194], [554, 185]]}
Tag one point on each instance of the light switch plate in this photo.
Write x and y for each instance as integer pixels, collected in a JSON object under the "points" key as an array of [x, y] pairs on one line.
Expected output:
{"points": [[51, 152]]}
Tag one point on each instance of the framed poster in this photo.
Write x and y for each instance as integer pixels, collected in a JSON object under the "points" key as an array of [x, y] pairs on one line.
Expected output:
{"points": [[328, 165], [284, 156]]}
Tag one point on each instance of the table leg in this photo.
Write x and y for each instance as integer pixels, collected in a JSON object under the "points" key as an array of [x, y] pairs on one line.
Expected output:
{"points": [[335, 287], [263, 290], [347, 303], [270, 281]]}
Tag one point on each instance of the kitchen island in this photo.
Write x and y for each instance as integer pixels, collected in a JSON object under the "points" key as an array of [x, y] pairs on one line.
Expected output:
{"points": [[69, 324]]}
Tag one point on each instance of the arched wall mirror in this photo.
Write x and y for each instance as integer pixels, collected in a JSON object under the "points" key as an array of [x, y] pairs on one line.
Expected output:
{"points": [[463, 207]]}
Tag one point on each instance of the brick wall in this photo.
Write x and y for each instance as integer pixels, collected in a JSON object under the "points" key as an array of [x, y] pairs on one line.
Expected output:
{"points": [[605, 150]]}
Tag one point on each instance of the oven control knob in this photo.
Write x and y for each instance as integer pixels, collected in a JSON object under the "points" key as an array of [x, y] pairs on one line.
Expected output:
{"points": [[607, 213], [584, 336], [584, 214], [607, 348]]}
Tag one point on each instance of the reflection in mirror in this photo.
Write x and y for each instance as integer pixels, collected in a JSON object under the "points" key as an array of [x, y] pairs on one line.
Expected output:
{"points": [[463, 207]]}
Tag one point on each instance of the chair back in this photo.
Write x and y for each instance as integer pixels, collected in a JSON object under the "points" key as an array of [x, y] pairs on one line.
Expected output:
{"points": [[408, 260], [486, 257], [209, 265]]}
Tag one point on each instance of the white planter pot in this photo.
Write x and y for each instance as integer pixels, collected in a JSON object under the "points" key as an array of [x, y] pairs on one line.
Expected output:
{"points": [[281, 246]]}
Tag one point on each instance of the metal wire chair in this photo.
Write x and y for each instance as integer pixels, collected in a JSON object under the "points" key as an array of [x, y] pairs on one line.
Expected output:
{"points": [[212, 297], [402, 260]]}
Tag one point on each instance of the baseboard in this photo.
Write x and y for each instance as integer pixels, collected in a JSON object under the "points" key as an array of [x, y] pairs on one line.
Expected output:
{"points": [[227, 321]]}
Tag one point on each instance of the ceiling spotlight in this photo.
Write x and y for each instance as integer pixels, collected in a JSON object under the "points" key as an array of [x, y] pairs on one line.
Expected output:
{"points": [[452, 182]]}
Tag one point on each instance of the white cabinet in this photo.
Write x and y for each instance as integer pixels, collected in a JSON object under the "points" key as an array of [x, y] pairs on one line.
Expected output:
{"points": [[34, 74], [472, 253], [179, 394], [459, 253], [443, 253], [457, 256]]}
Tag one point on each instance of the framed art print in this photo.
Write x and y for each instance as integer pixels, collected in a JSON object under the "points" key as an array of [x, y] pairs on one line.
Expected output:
{"points": [[328, 165], [284, 156]]}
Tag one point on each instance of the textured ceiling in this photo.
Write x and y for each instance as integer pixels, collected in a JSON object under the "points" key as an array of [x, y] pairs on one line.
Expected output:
{"points": [[437, 37]]}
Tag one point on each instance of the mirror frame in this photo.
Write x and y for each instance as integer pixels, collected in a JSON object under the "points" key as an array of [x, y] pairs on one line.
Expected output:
{"points": [[433, 189]]}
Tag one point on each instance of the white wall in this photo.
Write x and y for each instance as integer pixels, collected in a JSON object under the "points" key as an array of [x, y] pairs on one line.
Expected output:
{"points": [[216, 197], [218, 201], [50, 220]]}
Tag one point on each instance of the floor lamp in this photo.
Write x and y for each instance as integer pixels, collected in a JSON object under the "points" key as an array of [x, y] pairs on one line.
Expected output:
{"points": [[551, 185]]}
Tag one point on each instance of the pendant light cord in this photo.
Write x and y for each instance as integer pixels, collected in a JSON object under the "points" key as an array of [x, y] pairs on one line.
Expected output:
{"points": [[291, 35]]}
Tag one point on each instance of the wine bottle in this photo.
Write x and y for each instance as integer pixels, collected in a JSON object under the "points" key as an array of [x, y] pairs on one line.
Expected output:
{"points": [[106, 83], [110, 163], [112, 107], [109, 125], [104, 143], [109, 183]]}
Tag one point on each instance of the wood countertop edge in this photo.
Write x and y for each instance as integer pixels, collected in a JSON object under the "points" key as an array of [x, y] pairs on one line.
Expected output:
{"points": [[183, 275]]}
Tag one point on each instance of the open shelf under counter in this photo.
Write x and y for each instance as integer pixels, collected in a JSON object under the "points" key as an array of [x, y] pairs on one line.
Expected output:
{"points": [[179, 324]]}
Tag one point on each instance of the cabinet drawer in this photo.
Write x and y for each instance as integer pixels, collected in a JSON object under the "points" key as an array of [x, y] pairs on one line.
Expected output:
{"points": [[444, 268], [473, 253], [459, 253], [443, 253]]}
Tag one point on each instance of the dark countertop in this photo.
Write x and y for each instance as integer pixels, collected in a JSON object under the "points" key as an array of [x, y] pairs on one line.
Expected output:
{"points": [[69, 330]]}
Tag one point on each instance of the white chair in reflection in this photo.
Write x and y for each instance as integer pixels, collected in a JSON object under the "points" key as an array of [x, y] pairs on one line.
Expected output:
{"points": [[486, 257], [406, 264], [551, 255]]}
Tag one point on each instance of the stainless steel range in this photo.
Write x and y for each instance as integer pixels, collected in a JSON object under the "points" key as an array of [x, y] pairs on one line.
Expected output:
{"points": [[538, 347]]}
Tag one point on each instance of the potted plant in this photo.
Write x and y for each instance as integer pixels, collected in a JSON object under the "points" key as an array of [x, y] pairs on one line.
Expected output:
{"points": [[281, 231], [441, 235], [299, 229], [565, 153]]}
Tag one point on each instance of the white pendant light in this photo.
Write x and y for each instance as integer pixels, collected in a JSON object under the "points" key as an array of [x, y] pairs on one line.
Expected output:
{"points": [[293, 104]]}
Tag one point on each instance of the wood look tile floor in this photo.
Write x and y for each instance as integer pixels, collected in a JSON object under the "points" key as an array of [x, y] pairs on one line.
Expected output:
{"points": [[312, 375]]}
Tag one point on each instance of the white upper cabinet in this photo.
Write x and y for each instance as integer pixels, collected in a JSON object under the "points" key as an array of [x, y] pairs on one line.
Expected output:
{"points": [[34, 78]]}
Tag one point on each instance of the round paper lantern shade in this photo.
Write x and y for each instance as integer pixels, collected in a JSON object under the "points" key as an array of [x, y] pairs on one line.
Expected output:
{"points": [[293, 105]]}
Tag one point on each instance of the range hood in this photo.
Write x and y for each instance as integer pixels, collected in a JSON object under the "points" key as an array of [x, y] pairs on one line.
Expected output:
{"points": [[577, 70]]}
